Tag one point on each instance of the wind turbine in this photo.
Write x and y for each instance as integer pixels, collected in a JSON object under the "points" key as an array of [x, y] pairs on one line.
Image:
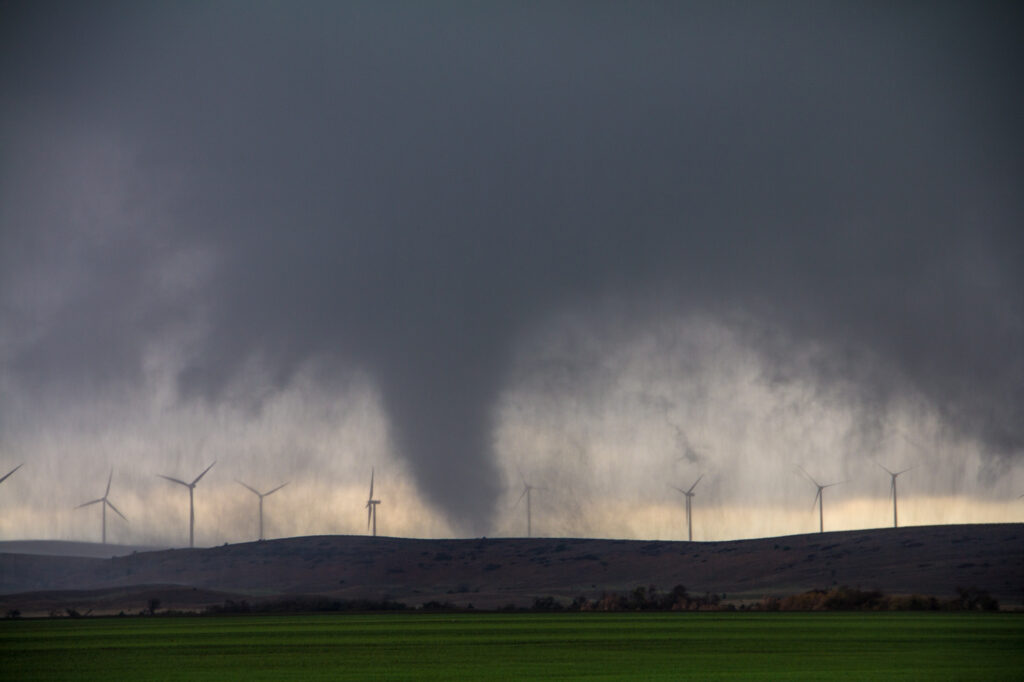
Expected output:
{"points": [[7, 475], [892, 491], [819, 498], [105, 502], [527, 489], [371, 507], [191, 501], [689, 495], [261, 496]]}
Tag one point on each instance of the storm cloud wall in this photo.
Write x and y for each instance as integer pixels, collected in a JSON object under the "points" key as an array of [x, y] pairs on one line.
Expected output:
{"points": [[237, 193]]}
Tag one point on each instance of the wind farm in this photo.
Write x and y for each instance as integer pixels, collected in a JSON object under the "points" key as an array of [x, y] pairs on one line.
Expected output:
{"points": [[512, 574], [854, 510]]}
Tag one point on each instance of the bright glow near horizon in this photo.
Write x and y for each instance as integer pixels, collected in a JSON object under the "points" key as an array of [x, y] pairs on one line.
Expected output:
{"points": [[605, 446]]}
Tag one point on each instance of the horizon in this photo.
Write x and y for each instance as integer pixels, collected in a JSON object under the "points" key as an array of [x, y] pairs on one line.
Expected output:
{"points": [[165, 547]]}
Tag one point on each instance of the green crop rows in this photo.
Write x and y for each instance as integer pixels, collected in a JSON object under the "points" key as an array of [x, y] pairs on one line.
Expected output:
{"points": [[793, 646]]}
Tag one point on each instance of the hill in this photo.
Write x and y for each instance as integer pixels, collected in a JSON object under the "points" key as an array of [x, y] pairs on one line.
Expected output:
{"points": [[68, 548], [490, 573]]}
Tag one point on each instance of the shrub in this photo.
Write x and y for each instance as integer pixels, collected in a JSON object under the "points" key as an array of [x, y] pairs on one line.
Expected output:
{"points": [[546, 604]]}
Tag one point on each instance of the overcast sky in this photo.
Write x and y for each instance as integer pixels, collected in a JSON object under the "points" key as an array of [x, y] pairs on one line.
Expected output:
{"points": [[595, 243]]}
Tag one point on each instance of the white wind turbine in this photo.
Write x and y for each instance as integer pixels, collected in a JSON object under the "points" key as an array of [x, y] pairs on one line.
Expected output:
{"points": [[261, 496], [819, 498], [7, 475], [104, 502], [191, 501], [892, 491], [527, 490], [689, 496], [371, 507]]}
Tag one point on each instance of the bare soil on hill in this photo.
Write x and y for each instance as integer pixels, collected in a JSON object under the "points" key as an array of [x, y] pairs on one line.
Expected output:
{"points": [[491, 573]]}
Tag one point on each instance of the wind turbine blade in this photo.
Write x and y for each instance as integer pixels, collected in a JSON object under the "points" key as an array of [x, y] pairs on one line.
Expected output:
{"points": [[11, 472], [904, 471], [886, 470], [808, 475], [679, 489], [695, 483], [86, 504], [109, 479], [276, 489], [250, 488], [111, 505], [204, 473], [521, 496], [371, 483], [175, 480], [369, 513], [816, 496]]}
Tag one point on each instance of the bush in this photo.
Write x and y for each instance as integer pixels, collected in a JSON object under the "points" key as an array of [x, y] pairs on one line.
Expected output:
{"points": [[546, 605], [972, 599], [850, 599]]}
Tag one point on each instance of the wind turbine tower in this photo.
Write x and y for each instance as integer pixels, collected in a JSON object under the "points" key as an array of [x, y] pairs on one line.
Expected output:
{"points": [[689, 507], [191, 501], [527, 490], [892, 492], [104, 502], [819, 498], [371, 508], [261, 496]]}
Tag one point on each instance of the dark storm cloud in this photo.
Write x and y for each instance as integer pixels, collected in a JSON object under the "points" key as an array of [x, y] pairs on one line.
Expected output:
{"points": [[411, 187]]}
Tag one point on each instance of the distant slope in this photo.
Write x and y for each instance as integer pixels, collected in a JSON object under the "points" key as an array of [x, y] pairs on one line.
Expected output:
{"points": [[68, 548], [493, 572]]}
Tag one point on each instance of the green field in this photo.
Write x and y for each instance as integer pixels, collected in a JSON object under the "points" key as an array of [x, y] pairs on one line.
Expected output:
{"points": [[708, 646]]}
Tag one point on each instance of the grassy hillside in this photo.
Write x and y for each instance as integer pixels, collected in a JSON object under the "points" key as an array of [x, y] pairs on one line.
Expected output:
{"points": [[491, 573]]}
